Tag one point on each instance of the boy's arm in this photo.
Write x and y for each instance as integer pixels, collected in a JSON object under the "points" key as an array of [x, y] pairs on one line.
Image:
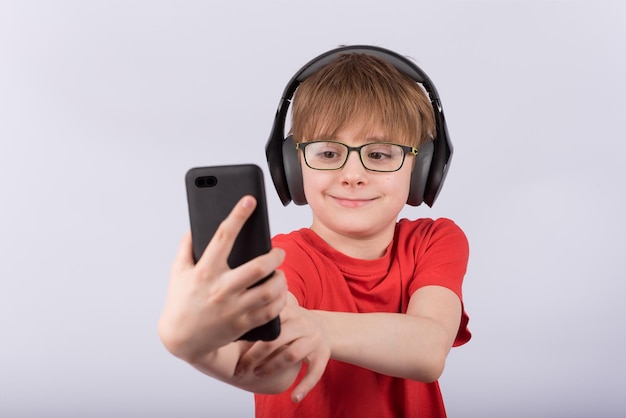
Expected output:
{"points": [[221, 364], [412, 345]]}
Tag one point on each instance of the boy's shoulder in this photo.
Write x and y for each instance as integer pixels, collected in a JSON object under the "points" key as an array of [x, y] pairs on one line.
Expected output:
{"points": [[300, 238], [428, 225], [440, 231]]}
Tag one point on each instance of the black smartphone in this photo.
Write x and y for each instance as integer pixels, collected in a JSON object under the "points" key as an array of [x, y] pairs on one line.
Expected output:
{"points": [[212, 192]]}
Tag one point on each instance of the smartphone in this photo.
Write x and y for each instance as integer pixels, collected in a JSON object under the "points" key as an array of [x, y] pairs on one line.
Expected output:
{"points": [[212, 192]]}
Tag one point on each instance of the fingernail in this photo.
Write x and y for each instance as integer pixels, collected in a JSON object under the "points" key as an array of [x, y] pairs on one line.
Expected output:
{"points": [[247, 202], [298, 397], [239, 371], [280, 252], [259, 372]]}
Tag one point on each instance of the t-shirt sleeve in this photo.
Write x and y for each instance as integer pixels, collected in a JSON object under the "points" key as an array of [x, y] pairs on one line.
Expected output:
{"points": [[441, 260]]}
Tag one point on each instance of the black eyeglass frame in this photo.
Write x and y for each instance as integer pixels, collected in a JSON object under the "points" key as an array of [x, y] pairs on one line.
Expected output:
{"points": [[405, 148]]}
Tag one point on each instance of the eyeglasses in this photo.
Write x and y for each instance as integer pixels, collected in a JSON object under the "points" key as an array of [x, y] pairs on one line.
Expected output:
{"points": [[375, 156]]}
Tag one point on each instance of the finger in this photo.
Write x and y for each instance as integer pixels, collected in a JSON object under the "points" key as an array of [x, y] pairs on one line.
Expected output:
{"points": [[263, 315], [221, 244], [277, 362], [255, 355], [285, 351], [250, 273], [313, 374], [184, 256], [296, 350]]}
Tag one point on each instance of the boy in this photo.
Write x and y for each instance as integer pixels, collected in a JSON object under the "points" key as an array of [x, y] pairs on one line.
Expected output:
{"points": [[373, 304]]}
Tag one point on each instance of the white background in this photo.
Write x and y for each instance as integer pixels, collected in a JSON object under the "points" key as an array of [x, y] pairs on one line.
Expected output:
{"points": [[105, 105]]}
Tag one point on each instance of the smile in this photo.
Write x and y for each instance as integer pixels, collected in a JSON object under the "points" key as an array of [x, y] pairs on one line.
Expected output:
{"points": [[352, 203]]}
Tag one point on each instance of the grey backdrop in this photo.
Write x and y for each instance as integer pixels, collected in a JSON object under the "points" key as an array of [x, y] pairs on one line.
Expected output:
{"points": [[105, 105]]}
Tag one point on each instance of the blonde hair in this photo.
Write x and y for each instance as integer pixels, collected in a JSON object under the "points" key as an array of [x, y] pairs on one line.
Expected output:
{"points": [[362, 89]]}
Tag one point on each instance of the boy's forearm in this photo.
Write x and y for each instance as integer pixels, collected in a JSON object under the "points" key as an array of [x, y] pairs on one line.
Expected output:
{"points": [[399, 345], [220, 364]]}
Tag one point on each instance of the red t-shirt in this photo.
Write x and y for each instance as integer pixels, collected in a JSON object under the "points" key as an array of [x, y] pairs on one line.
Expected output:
{"points": [[423, 252]]}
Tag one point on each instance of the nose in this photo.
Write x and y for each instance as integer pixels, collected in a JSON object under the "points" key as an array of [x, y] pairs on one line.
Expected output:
{"points": [[353, 170]]}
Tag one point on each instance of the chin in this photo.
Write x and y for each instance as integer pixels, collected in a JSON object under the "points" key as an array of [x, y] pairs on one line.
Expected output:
{"points": [[357, 230]]}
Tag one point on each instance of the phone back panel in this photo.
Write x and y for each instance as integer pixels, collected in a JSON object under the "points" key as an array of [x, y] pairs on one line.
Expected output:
{"points": [[212, 192]]}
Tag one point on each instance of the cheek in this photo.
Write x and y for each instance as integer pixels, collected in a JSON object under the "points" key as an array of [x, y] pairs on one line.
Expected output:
{"points": [[399, 188], [400, 181], [312, 180]]}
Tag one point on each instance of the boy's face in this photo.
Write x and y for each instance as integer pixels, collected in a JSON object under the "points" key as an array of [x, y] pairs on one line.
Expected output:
{"points": [[353, 201]]}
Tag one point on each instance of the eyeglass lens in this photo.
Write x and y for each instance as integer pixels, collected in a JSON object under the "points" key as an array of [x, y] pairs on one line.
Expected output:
{"points": [[327, 155]]}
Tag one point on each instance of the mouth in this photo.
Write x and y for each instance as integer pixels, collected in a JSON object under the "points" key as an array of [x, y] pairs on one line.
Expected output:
{"points": [[352, 202]]}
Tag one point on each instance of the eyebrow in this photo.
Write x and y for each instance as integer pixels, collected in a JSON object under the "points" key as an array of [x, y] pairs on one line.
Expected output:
{"points": [[364, 140]]}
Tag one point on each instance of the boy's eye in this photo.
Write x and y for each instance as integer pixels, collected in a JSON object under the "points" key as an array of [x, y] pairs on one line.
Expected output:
{"points": [[329, 151], [329, 154], [377, 156], [381, 152]]}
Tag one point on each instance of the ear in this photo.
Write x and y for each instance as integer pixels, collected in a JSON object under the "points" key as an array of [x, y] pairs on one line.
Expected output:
{"points": [[293, 171], [419, 175]]}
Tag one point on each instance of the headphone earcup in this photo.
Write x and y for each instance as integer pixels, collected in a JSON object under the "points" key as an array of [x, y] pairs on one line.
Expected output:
{"points": [[420, 173], [293, 171]]}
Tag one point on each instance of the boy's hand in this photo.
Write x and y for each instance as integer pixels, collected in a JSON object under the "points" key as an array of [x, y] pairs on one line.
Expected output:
{"points": [[302, 339], [209, 305]]}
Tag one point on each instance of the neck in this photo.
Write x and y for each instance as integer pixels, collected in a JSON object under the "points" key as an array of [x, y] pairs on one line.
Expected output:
{"points": [[364, 247]]}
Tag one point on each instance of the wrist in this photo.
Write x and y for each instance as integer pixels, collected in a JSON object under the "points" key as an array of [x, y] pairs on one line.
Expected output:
{"points": [[327, 325]]}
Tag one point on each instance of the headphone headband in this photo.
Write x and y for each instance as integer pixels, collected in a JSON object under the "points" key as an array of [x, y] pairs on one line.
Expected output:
{"points": [[441, 155]]}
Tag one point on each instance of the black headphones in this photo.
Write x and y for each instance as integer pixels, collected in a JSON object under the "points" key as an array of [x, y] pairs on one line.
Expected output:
{"points": [[432, 161]]}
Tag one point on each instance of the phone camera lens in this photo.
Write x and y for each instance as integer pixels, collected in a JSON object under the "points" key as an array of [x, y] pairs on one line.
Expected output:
{"points": [[206, 181]]}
